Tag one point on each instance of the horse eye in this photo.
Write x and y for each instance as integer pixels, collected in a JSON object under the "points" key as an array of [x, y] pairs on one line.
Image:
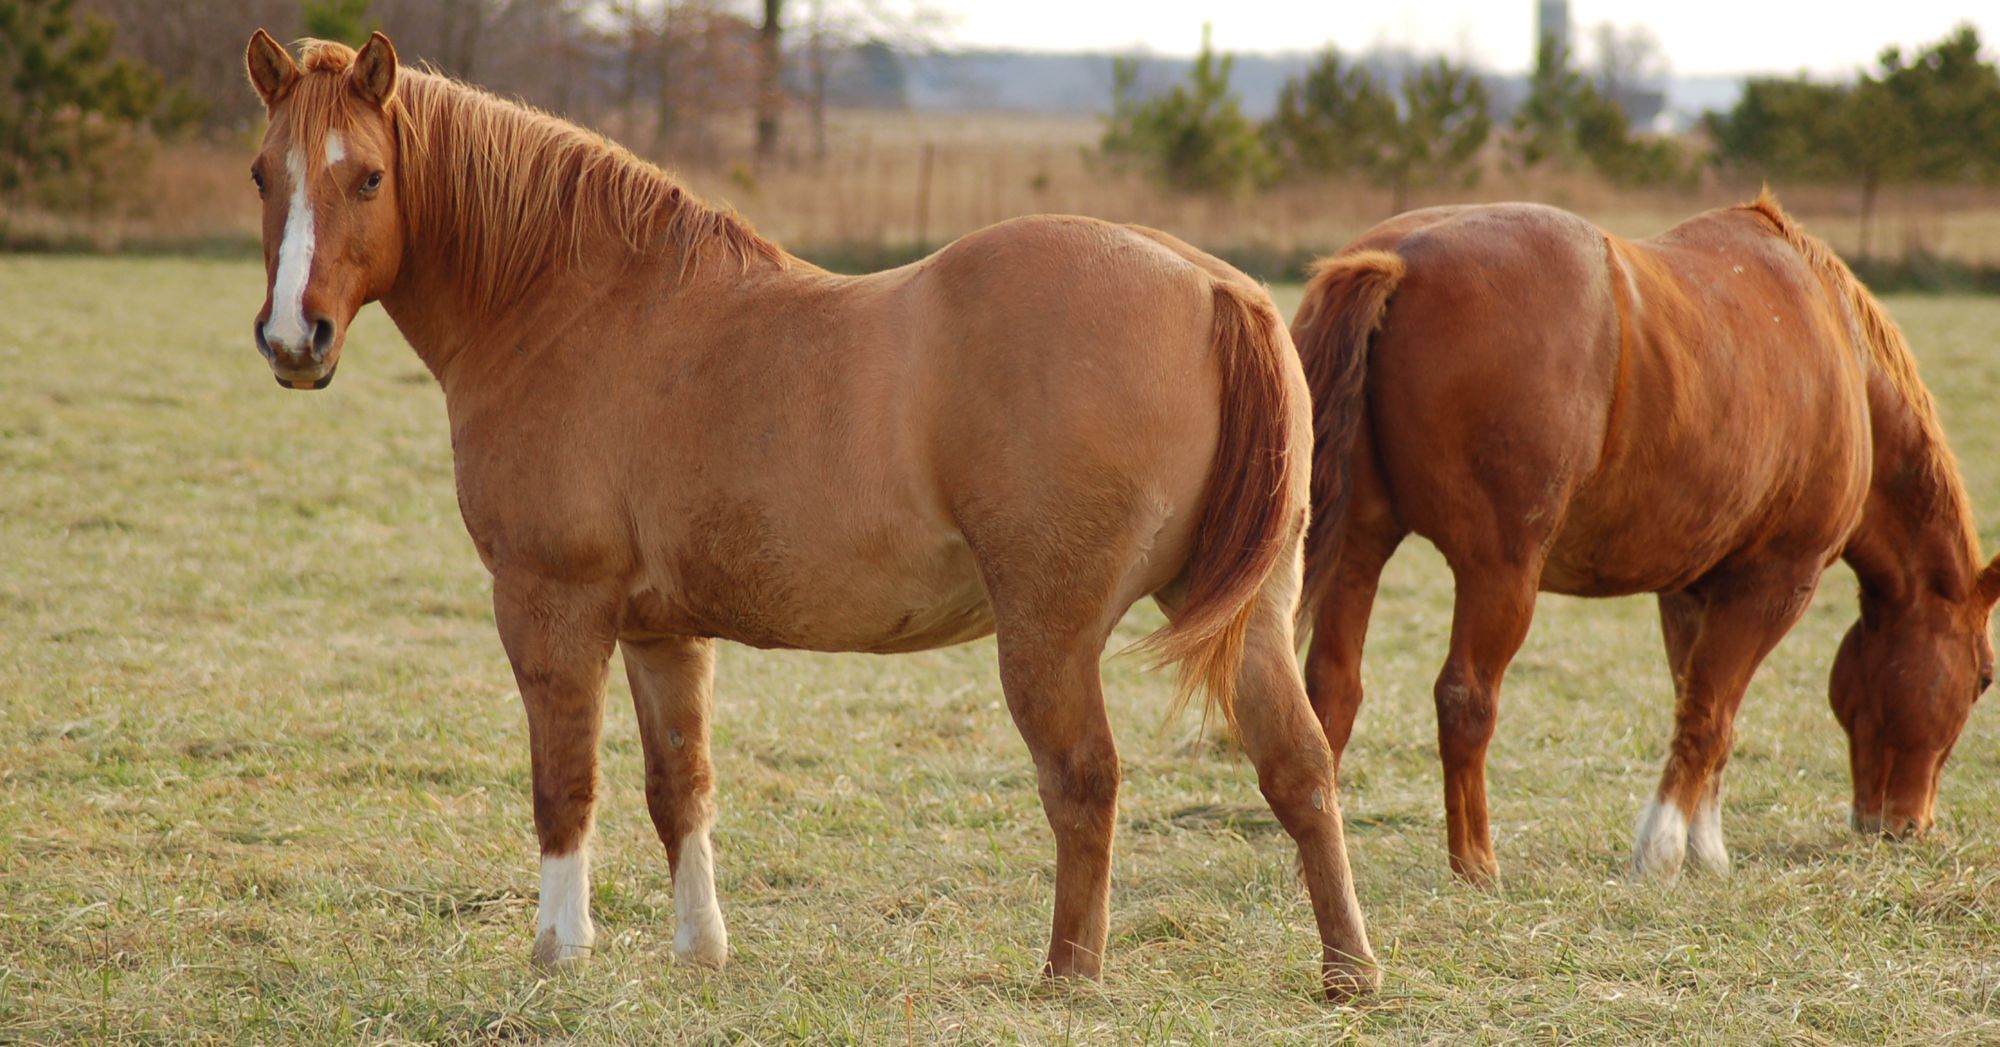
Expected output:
{"points": [[373, 183], [257, 179]]}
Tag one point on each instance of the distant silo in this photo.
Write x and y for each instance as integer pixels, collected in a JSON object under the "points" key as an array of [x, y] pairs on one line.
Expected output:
{"points": [[1552, 21]]}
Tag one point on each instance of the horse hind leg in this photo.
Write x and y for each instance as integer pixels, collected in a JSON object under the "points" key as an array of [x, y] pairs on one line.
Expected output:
{"points": [[559, 642], [1050, 675], [1492, 608], [1287, 745], [1716, 636], [1333, 661], [672, 679]]}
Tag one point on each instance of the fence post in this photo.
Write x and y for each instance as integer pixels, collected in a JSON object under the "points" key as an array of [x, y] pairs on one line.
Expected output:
{"points": [[924, 197]]}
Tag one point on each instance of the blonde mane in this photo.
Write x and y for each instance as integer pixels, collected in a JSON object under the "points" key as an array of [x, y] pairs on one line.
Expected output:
{"points": [[1886, 345], [516, 190]]}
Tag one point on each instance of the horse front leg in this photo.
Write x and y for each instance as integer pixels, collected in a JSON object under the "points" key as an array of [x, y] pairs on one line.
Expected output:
{"points": [[672, 679], [1717, 634], [558, 637]]}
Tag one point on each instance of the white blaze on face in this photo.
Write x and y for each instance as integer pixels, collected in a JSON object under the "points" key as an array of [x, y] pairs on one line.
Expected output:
{"points": [[699, 934], [287, 329], [563, 930]]}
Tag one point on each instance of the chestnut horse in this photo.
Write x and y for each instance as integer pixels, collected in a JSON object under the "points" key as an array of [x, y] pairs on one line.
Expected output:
{"points": [[1713, 415], [668, 431]]}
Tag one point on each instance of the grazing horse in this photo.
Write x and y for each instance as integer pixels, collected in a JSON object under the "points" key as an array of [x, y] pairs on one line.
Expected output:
{"points": [[668, 431], [1713, 415]]}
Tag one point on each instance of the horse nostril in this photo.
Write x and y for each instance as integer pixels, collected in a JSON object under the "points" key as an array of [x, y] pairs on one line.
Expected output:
{"points": [[263, 344], [322, 336]]}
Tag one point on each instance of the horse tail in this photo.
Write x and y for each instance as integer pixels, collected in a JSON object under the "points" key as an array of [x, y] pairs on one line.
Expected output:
{"points": [[1252, 505], [1345, 299]]}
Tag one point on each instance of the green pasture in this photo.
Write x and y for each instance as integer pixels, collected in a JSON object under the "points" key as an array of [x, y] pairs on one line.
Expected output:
{"points": [[263, 775]]}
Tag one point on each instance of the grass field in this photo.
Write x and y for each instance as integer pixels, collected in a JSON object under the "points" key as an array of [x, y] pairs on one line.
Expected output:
{"points": [[263, 775]]}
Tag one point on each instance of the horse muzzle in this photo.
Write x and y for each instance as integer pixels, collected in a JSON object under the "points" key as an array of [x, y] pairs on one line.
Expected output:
{"points": [[307, 367]]}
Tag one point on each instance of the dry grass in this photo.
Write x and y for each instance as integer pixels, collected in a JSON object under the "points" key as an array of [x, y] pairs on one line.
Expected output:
{"points": [[263, 775], [869, 191]]}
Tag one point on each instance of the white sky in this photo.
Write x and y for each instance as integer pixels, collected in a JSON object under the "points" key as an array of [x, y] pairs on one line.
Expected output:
{"points": [[1699, 36]]}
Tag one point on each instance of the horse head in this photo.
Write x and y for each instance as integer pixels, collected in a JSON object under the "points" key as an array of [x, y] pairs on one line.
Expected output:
{"points": [[326, 171]]}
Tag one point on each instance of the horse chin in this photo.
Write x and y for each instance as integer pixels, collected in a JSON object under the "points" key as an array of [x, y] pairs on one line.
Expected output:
{"points": [[296, 382], [1889, 826]]}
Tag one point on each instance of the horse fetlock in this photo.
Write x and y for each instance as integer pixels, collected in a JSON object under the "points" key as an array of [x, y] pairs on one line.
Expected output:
{"points": [[563, 931], [1479, 868], [702, 939], [1661, 842], [553, 953], [699, 934], [1346, 975], [1705, 849]]}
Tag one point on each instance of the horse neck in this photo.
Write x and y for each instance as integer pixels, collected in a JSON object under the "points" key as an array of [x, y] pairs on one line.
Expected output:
{"points": [[433, 314], [1916, 534], [449, 309]]}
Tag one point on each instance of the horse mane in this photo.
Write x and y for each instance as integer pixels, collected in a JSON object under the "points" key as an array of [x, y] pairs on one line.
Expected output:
{"points": [[1890, 351], [518, 191]]}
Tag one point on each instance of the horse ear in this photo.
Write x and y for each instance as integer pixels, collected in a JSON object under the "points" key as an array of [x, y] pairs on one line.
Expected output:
{"points": [[375, 70], [1989, 583], [272, 71]]}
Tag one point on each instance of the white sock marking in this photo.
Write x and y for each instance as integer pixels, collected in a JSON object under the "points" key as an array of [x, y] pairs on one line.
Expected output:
{"points": [[699, 934], [1705, 847], [565, 908], [286, 330], [1661, 842]]}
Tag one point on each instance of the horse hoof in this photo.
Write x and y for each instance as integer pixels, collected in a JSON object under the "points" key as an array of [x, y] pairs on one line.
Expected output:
{"points": [[1345, 980], [551, 955], [1481, 873], [705, 946], [1660, 845]]}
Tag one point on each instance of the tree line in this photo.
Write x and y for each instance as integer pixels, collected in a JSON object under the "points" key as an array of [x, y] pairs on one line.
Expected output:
{"points": [[1928, 117], [1339, 120], [89, 87]]}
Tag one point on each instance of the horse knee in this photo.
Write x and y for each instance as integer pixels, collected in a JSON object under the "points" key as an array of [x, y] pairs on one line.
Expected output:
{"points": [[1079, 785], [1466, 712], [680, 799], [563, 805], [1327, 673], [1297, 783]]}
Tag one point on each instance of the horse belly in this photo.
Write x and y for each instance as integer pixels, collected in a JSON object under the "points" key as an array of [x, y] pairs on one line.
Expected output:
{"points": [[886, 594], [1660, 536], [1623, 563]]}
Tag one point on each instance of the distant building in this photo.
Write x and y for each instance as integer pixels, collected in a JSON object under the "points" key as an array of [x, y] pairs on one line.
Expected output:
{"points": [[1551, 22]]}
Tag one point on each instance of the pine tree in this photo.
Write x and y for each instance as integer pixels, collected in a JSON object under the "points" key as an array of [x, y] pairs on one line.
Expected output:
{"points": [[1440, 128], [74, 119], [1193, 138], [1932, 117], [1331, 122]]}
